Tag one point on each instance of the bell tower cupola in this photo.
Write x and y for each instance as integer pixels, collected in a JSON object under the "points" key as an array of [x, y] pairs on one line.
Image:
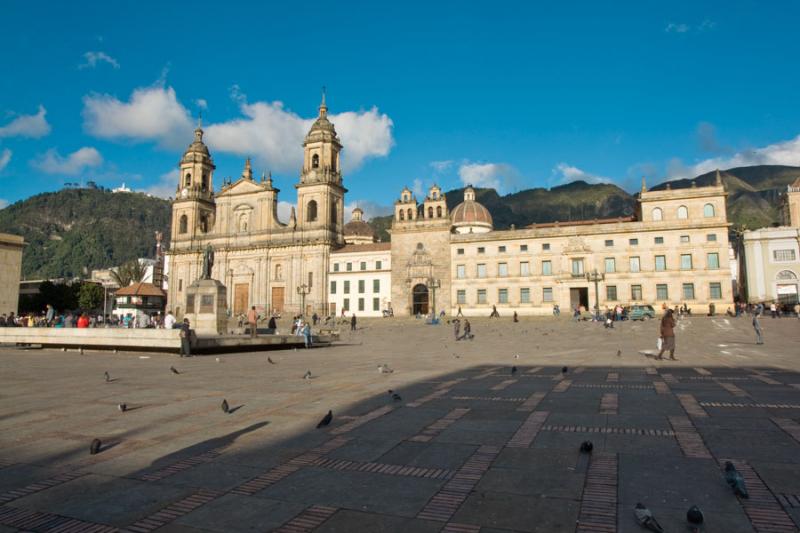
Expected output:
{"points": [[194, 207]]}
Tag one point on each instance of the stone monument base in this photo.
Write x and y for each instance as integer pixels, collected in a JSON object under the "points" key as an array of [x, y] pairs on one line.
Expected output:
{"points": [[206, 308]]}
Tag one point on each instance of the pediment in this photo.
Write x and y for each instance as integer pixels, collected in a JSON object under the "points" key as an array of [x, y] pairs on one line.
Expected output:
{"points": [[242, 186]]}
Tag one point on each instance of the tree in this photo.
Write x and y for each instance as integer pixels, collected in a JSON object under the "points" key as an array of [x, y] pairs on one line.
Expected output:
{"points": [[127, 273], [90, 296]]}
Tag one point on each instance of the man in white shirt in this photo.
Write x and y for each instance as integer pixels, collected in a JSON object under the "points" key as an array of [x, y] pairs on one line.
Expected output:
{"points": [[169, 320]]}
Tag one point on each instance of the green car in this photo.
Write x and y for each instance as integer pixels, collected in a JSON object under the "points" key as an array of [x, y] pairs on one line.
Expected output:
{"points": [[641, 312]]}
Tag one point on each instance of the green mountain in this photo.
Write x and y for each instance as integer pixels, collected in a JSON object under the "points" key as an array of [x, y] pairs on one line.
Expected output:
{"points": [[76, 229]]}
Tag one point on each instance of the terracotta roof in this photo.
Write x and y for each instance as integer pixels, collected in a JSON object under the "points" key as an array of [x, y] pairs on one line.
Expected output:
{"points": [[470, 212], [141, 289], [371, 247], [358, 227], [583, 222]]}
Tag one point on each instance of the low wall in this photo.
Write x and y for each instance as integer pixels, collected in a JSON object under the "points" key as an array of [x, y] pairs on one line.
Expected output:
{"points": [[103, 338]]}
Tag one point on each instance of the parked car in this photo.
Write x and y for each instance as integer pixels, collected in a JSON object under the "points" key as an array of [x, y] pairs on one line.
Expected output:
{"points": [[641, 312]]}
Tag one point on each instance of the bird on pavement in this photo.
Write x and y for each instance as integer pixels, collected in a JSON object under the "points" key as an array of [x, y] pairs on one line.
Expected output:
{"points": [[646, 519], [225, 407], [122, 407], [173, 370], [108, 377], [564, 370], [516, 356], [587, 446], [325, 420], [270, 361], [513, 370], [94, 448], [384, 369], [695, 517], [619, 353], [307, 375], [735, 480]]}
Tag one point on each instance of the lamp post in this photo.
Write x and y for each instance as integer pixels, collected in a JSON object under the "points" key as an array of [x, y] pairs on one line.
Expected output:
{"points": [[303, 290], [433, 284], [596, 277]]}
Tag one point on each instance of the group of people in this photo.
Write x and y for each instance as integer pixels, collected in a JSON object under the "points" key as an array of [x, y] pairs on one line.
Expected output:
{"points": [[467, 329], [50, 318]]}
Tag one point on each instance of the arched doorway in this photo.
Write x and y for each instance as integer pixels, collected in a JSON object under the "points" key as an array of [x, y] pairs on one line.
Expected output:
{"points": [[419, 299]]}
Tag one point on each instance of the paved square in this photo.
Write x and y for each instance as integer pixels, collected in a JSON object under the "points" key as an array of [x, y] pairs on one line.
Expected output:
{"points": [[470, 447]]}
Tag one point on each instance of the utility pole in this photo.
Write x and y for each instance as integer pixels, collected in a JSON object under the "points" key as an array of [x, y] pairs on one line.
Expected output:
{"points": [[596, 277]]}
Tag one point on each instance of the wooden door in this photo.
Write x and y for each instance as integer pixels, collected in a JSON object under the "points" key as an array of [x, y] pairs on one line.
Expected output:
{"points": [[241, 293], [277, 299]]}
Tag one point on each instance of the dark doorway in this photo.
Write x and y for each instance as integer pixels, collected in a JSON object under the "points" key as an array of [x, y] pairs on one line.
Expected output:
{"points": [[419, 299], [579, 296]]}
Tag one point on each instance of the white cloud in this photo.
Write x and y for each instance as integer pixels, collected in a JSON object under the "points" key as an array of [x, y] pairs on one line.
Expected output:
{"points": [[3, 203], [5, 157], [681, 27], [34, 126], [151, 114], [564, 173], [673, 27], [497, 176], [201, 103], [780, 153], [371, 209], [441, 166], [91, 59], [165, 186], [284, 211], [75, 163]]}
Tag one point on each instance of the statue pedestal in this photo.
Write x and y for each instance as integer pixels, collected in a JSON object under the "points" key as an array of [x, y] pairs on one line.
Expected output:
{"points": [[206, 308]]}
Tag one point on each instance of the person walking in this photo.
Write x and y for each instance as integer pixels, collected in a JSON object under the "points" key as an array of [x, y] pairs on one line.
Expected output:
{"points": [[515, 318], [667, 336], [169, 320], [456, 328], [773, 309], [353, 322], [252, 321], [467, 330], [273, 325], [307, 335], [186, 338], [459, 314], [757, 328]]}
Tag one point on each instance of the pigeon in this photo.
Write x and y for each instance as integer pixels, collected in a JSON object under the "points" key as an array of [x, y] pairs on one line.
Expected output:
{"points": [[173, 370], [307, 375], [564, 370], [619, 353], [516, 356], [225, 408], [94, 448], [384, 369], [695, 517], [108, 377], [217, 359], [122, 407], [646, 519], [513, 370], [735, 480], [396, 397], [587, 446], [325, 420], [270, 361]]}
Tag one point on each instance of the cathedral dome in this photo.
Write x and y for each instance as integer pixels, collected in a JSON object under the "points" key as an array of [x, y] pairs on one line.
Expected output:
{"points": [[197, 146], [470, 216], [357, 231]]}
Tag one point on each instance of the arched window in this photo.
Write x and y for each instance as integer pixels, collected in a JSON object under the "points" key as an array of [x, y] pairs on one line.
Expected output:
{"points": [[786, 275], [708, 210], [204, 183], [430, 212], [406, 198], [183, 226], [410, 214], [243, 220], [658, 214], [278, 272], [315, 161], [402, 214], [204, 223], [334, 213], [187, 180], [439, 211], [333, 163], [683, 212], [311, 211]]}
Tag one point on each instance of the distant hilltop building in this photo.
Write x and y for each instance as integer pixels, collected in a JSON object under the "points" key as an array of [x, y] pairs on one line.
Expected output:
{"points": [[123, 188], [673, 251]]}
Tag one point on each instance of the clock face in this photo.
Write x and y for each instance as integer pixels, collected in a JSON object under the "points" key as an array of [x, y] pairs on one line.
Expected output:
{"points": [[184, 192]]}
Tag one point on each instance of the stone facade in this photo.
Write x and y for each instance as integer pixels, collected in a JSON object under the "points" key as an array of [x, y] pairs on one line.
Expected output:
{"points": [[10, 271]]}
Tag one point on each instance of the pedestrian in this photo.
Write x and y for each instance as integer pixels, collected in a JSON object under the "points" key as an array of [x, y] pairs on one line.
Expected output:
{"points": [[757, 328], [186, 338], [494, 313], [516, 319], [273, 325], [459, 314], [252, 321], [169, 320], [467, 330], [667, 336], [307, 335], [556, 310], [353, 322], [315, 318], [49, 315], [83, 321], [456, 328], [773, 309]]}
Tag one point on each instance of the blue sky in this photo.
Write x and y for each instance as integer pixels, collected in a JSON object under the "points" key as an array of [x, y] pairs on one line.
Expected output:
{"points": [[511, 95]]}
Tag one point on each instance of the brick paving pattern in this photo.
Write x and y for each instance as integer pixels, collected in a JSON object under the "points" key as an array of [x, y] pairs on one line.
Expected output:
{"points": [[599, 501]]}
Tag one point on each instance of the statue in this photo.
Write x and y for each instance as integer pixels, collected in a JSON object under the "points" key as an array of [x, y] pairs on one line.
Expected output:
{"points": [[208, 262]]}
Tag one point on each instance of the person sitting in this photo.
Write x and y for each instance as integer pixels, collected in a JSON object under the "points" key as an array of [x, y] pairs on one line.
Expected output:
{"points": [[83, 321]]}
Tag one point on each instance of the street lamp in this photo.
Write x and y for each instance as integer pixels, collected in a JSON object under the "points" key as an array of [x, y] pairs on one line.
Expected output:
{"points": [[303, 290], [596, 277]]}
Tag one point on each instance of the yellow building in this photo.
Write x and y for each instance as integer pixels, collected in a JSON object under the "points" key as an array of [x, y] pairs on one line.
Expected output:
{"points": [[11, 247]]}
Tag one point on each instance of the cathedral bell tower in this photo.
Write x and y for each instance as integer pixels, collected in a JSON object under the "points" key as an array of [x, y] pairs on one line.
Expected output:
{"points": [[193, 209], [320, 194]]}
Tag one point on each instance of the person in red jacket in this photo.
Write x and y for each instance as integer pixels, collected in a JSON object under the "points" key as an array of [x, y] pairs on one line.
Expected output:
{"points": [[83, 321]]}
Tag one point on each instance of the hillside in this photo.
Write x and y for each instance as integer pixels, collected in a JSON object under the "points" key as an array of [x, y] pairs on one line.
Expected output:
{"points": [[73, 229]]}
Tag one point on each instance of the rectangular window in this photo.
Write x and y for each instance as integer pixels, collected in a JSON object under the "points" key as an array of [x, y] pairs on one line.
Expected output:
{"points": [[346, 287], [349, 267], [523, 247], [524, 295], [481, 270], [180, 285], [684, 239], [609, 243], [333, 287], [686, 261], [661, 292], [461, 296], [546, 246], [633, 242], [461, 271], [688, 291], [501, 249], [547, 294], [711, 237], [361, 304], [310, 279], [783, 255], [363, 265], [611, 293], [376, 285], [378, 265], [547, 268], [502, 296], [336, 267], [659, 240], [502, 269], [611, 264], [460, 251], [636, 292], [715, 291], [361, 286], [346, 304], [524, 268], [577, 267], [635, 265], [481, 296], [376, 304], [713, 261], [481, 250], [661, 263]]}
